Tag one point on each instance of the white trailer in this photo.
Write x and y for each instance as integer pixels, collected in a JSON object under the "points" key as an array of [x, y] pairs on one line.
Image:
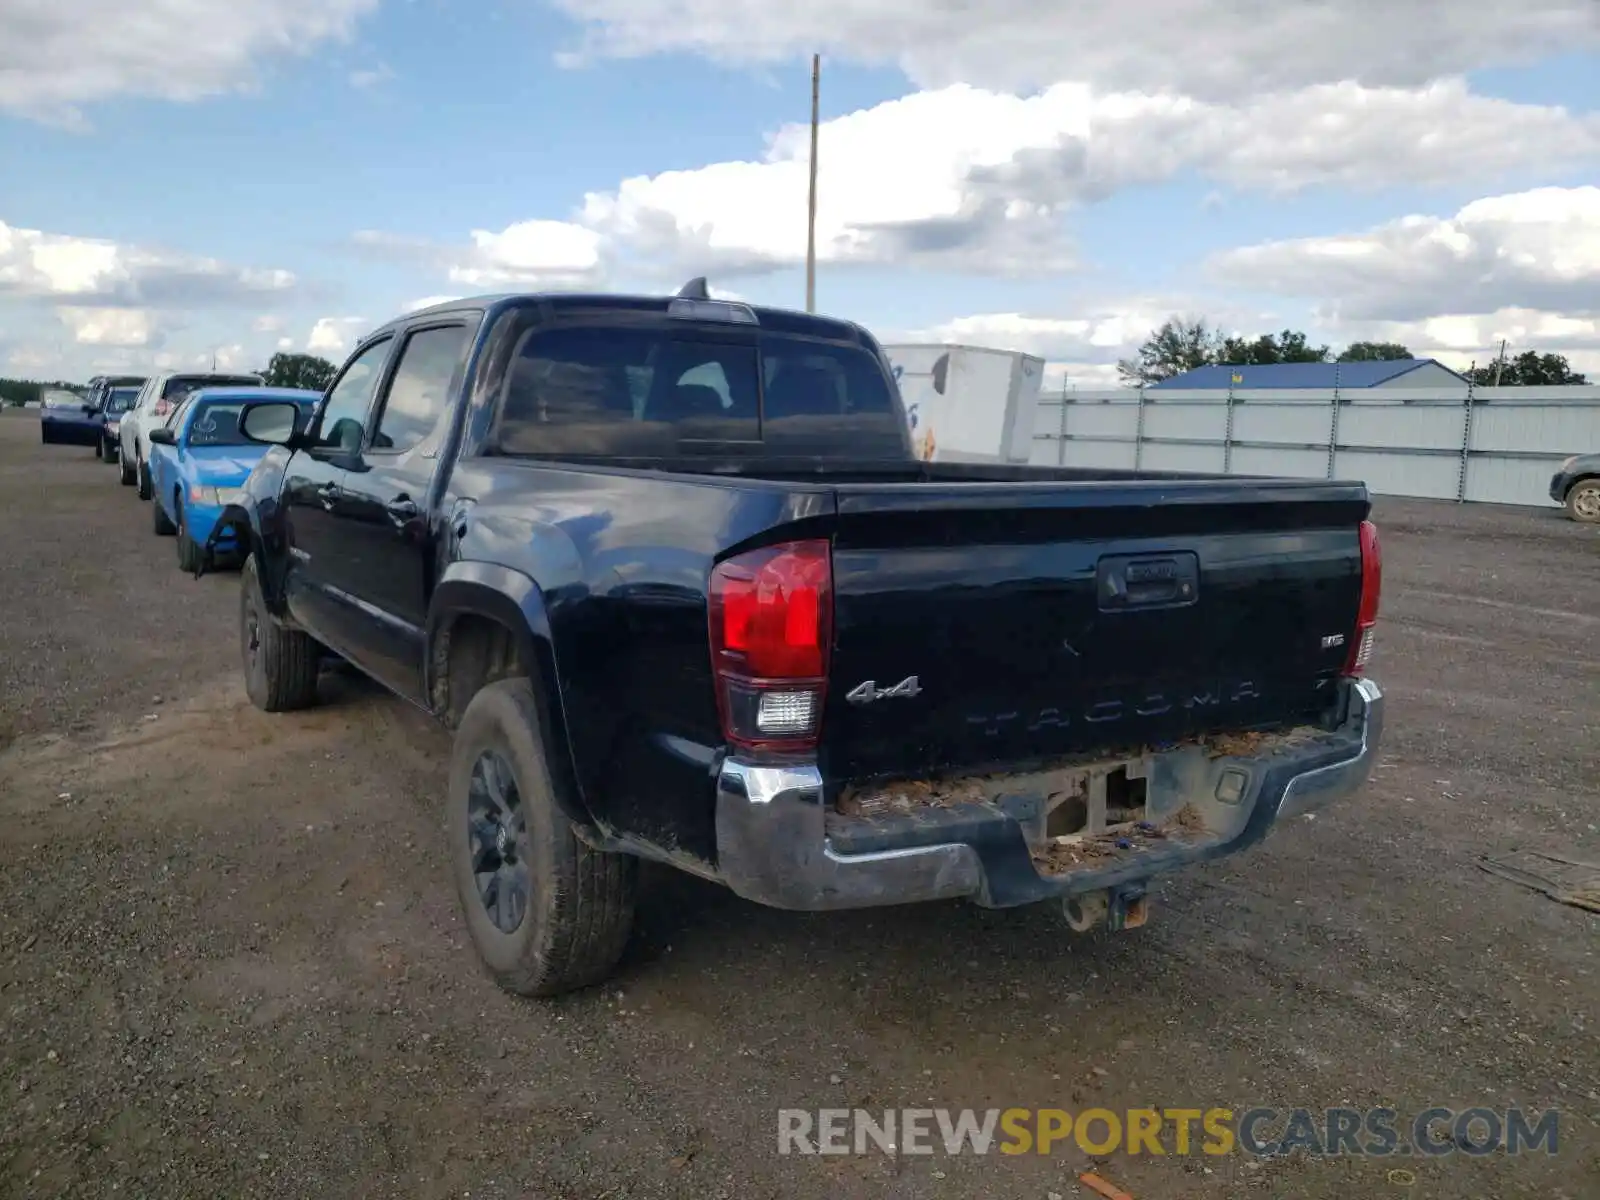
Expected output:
{"points": [[968, 403]]}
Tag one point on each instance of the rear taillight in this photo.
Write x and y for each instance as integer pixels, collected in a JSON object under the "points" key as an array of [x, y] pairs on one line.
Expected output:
{"points": [[771, 624], [1367, 613], [162, 408]]}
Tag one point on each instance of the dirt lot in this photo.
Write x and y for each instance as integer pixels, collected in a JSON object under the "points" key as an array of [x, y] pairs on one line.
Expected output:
{"points": [[231, 965]]}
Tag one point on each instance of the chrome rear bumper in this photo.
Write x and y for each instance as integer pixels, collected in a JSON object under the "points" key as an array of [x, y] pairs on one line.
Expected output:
{"points": [[773, 845]]}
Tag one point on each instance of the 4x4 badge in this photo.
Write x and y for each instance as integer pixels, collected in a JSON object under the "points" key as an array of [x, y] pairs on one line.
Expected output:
{"points": [[866, 693]]}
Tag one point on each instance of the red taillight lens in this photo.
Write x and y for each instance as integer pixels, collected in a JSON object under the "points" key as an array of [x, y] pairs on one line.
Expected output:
{"points": [[1367, 615], [162, 408], [771, 624]]}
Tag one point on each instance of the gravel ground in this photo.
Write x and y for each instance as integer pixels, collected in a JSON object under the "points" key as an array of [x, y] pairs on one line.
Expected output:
{"points": [[231, 965]]}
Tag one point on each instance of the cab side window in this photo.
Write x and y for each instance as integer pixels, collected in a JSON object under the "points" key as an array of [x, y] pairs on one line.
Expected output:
{"points": [[344, 412], [419, 393]]}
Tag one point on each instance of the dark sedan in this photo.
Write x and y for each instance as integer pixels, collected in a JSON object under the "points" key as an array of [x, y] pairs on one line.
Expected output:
{"points": [[114, 402], [1577, 485], [65, 418]]}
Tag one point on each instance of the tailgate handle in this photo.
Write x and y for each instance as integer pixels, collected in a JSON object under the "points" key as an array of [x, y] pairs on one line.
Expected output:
{"points": [[1127, 581]]}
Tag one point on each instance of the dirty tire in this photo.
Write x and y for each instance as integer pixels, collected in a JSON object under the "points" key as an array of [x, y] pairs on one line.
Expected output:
{"points": [[188, 552], [1583, 501], [159, 520], [580, 902], [124, 471], [108, 452], [143, 472], [280, 665]]}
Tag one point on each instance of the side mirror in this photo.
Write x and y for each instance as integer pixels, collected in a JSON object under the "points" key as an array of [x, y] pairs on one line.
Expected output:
{"points": [[89, 410], [271, 422], [163, 437]]}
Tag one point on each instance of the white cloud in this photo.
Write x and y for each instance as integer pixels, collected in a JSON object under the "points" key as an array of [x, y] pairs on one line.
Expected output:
{"points": [[1461, 339], [369, 77], [109, 326], [335, 335], [1209, 48], [286, 343], [58, 54], [34, 263], [545, 253], [427, 302], [971, 179], [1537, 250], [1104, 334], [268, 323], [1082, 348]]}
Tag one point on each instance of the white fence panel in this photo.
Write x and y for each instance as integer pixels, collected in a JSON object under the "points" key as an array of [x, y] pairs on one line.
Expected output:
{"points": [[1553, 428], [1116, 456], [1391, 425], [1277, 460], [1283, 424], [1185, 421], [1501, 447], [1388, 474], [1499, 480], [1168, 456]]}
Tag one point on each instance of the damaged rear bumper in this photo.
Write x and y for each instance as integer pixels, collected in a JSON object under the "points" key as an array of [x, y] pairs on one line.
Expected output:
{"points": [[778, 844]]}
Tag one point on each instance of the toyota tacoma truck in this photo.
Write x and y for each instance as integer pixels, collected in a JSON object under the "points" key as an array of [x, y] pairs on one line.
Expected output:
{"points": [[670, 572]]}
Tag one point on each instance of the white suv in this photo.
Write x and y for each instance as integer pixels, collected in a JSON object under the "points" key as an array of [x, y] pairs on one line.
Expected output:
{"points": [[159, 396]]}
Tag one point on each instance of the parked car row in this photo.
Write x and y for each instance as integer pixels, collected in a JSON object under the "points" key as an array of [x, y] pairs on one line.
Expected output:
{"points": [[670, 571]]}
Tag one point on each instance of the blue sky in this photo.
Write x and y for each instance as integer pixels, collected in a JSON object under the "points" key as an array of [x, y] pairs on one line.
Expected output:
{"points": [[1050, 177]]}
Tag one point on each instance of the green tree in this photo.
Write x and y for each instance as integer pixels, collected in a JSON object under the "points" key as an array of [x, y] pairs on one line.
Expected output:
{"points": [[306, 371], [1373, 352], [1290, 346], [1180, 344], [1528, 369]]}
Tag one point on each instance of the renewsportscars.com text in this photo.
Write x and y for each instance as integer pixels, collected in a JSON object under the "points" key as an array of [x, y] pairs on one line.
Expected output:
{"points": [[1262, 1132]]}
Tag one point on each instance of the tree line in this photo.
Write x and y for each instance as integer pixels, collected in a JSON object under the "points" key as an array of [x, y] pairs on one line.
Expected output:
{"points": [[29, 391], [1182, 344], [309, 371]]}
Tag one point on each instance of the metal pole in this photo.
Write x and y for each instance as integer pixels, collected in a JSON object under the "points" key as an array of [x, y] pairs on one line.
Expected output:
{"points": [[1138, 431], [1061, 440], [1333, 424], [811, 215], [1227, 436], [1466, 439]]}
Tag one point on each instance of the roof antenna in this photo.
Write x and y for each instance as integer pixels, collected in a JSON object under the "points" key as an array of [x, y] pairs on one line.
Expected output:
{"points": [[695, 289]]}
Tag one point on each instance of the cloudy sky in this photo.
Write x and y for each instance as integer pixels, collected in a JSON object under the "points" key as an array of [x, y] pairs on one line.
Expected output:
{"points": [[181, 179]]}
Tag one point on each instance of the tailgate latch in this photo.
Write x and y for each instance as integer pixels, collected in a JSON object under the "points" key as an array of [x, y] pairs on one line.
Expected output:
{"points": [[1127, 581]]}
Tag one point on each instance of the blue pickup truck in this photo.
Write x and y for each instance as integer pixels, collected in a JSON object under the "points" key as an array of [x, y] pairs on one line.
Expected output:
{"points": [[669, 570]]}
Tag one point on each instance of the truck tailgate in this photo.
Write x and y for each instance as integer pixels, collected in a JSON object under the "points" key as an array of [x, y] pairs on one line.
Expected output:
{"points": [[977, 625]]}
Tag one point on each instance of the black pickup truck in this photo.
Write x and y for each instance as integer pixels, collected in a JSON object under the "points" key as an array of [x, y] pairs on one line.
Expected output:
{"points": [[668, 569]]}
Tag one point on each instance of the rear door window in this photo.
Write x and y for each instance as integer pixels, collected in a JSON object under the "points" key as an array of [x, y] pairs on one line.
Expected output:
{"points": [[825, 399], [596, 391], [661, 390]]}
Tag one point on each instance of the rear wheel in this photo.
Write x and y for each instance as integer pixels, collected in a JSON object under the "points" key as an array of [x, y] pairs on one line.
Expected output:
{"points": [[124, 471], [280, 665], [159, 520], [188, 552], [547, 913], [145, 490], [1583, 501], [108, 451]]}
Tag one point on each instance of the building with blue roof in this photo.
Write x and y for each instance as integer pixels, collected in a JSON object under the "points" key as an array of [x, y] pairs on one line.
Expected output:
{"points": [[1384, 375]]}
